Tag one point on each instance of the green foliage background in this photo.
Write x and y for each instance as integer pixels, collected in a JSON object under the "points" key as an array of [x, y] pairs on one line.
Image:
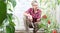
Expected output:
{"points": [[48, 8]]}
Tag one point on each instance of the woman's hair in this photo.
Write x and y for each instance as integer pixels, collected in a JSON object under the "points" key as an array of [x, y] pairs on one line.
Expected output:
{"points": [[34, 1]]}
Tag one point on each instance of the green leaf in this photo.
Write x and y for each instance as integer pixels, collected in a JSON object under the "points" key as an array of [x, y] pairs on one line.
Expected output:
{"points": [[12, 23], [13, 2], [58, 2], [10, 29], [9, 16], [2, 11], [10, 19]]}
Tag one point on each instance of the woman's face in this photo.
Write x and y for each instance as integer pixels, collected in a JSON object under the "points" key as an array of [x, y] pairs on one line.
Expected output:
{"points": [[35, 5]]}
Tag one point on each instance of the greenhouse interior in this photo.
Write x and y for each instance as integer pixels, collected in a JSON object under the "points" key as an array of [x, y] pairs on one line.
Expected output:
{"points": [[12, 16]]}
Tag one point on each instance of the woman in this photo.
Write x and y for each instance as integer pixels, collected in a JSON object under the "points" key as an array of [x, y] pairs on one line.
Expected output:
{"points": [[33, 16]]}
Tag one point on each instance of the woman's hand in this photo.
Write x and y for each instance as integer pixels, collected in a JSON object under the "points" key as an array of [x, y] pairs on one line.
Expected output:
{"points": [[29, 16], [38, 20]]}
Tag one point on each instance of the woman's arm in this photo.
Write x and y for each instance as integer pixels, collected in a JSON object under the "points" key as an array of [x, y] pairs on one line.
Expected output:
{"points": [[25, 14], [28, 15]]}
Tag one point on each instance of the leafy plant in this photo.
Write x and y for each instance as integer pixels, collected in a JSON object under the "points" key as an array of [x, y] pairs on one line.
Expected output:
{"points": [[48, 20], [2, 11], [6, 19], [10, 27], [48, 24], [13, 2]]}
